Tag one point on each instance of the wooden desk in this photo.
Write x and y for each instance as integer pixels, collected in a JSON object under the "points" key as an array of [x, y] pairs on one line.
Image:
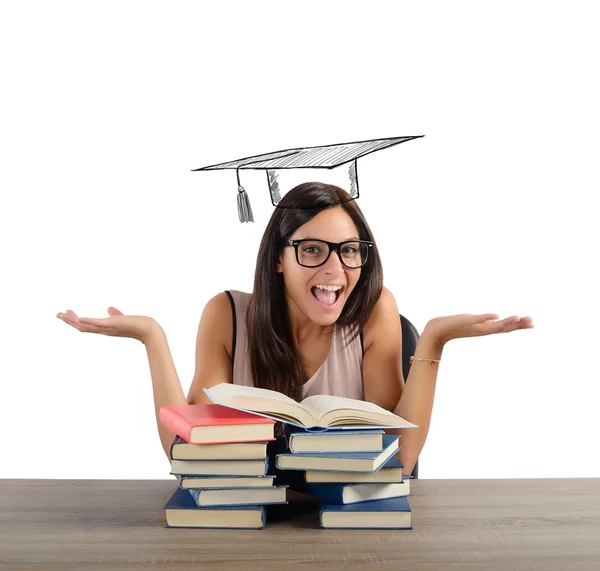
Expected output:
{"points": [[519, 525]]}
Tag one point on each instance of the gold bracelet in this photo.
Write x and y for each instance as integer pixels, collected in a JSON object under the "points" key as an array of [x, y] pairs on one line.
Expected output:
{"points": [[413, 358]]}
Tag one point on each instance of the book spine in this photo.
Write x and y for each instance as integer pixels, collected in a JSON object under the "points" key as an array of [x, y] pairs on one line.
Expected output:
{"points": [[175, 423], [174, 441]]}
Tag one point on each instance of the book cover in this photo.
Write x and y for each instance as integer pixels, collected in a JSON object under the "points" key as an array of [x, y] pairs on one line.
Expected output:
{"points": [[220, 467], [390, 472], [218, 497], [302, 440], [340, 461], [356, 493], [182, 511], [394, 513], [182, 450], [219, 481], [211, 423]]}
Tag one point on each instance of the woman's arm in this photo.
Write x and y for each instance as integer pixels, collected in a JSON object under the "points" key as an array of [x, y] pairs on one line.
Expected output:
{"points": [[383, 379], [416, 402], [165, 381], [213, 362]]}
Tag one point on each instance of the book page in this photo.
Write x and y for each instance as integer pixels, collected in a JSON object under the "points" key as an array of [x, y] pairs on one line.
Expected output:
{"points": [[253, 399], [327, 406], [320, 404], [224, 391]]}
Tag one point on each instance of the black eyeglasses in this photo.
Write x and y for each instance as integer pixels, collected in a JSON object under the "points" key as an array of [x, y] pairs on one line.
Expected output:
{"points": [[313, 253]]}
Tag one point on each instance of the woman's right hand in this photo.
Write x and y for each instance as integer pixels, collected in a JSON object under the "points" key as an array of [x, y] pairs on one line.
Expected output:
{"points": [[137, 327]]}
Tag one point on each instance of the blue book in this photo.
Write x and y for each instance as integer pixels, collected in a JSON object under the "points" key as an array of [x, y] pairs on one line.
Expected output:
{"points": [[183, 450], [301, 440], [182, 511], [225, 481], [220, 467], [390, 472], [205, 497], [394, 513], [338, 461], [356, 493]]}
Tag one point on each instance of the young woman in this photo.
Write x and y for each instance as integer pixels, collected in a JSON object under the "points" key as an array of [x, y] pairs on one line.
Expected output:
{"points": [[318, 321]]}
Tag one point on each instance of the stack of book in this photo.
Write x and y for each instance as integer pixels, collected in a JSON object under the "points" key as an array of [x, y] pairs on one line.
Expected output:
{"points": [[349, 463], [355, 474], [219, 456]]}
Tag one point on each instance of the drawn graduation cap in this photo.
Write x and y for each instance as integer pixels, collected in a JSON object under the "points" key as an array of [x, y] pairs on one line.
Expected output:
{"points": [[340, 157]]}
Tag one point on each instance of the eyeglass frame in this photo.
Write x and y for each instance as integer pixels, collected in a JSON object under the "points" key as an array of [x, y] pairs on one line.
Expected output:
{"points": [[333, 247]]}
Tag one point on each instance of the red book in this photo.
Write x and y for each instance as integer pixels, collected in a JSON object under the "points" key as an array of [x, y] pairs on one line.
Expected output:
{"points": [[212, 423]]}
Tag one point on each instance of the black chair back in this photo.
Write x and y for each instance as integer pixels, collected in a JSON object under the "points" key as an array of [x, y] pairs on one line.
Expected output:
{"points": [[410, 336]]}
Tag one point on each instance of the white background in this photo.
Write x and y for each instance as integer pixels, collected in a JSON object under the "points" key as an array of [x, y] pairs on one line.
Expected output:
{"points": [[106, 109]]}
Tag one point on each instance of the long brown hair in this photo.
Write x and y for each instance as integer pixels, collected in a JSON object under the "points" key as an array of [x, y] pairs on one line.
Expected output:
{"points": [[275, 362]]}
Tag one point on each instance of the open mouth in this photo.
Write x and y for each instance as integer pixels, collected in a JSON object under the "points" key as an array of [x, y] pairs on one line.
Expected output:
{"points": [[326, 298]]}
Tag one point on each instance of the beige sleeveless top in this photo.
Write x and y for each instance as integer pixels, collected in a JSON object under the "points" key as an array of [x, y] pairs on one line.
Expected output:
{"points": [[340, 374]]}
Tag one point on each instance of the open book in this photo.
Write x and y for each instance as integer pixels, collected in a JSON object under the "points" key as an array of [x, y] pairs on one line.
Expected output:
{"points": [[317, 411]]}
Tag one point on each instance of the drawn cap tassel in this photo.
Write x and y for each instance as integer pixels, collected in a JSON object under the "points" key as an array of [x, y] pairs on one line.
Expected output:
{"points": [[244, 208]]}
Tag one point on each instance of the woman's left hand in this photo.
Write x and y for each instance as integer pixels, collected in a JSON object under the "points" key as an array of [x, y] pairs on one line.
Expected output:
{"points": [[443, 329]]}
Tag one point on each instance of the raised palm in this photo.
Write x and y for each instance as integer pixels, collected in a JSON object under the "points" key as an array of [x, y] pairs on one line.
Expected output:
{"points": [[467, 325], [117, 325]]}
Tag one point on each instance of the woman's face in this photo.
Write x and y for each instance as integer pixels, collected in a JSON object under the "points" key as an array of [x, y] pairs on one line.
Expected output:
{"points": [[332, 225]]}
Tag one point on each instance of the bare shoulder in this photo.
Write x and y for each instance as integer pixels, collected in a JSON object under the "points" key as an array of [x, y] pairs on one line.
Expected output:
{"points": [[383, 381], [217, 318], [385, 315], [214, 363]]}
